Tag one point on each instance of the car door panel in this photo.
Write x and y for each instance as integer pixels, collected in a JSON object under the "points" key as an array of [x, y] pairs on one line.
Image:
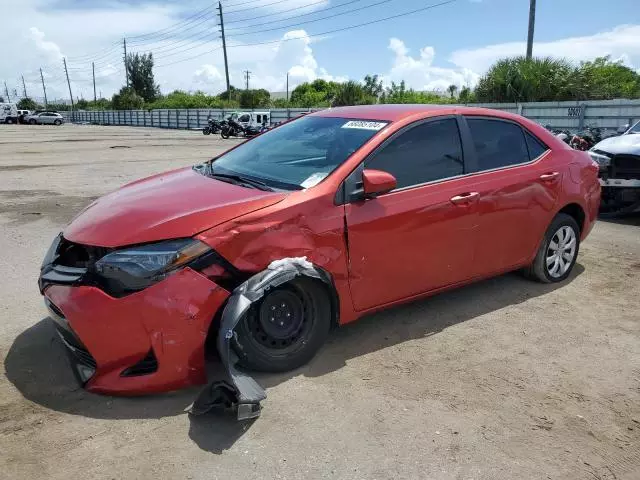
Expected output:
{"points": [[408, 242], [515, 204], [420, 236]]}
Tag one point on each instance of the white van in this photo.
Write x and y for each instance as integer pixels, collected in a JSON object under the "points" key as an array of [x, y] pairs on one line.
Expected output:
{"points": [[254, 119], [8, 113]]}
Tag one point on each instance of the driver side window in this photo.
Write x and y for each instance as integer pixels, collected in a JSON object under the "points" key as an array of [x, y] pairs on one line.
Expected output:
{"points": [[427, 152], [244, 118]]}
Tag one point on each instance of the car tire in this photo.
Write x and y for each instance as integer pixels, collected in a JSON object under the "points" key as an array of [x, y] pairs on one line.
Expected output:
{"points": [[57, 122], [286, 328], [558, 251], [32, 122]]}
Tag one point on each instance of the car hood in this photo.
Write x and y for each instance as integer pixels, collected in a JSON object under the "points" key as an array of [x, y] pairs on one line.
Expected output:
{"points": [[628, 144], [180, 203]]}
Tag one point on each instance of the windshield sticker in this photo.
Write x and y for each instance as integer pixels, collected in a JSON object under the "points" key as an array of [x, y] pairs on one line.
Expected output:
{"points": [[313, 180], [364, 125]]}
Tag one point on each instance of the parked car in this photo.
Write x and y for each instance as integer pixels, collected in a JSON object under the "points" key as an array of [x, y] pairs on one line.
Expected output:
{"points": [[306, 227], [619, 161], [45, 118]]}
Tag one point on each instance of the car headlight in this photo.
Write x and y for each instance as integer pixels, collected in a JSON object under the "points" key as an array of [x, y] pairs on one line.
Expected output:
{"points": [[601, 159], [135, 268]]}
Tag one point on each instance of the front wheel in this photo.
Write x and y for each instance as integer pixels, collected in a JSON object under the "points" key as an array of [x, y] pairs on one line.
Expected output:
{"points": [[57, 123], [558, 252], [225, 133], [206, 131], [286, 328], [32, 122]]}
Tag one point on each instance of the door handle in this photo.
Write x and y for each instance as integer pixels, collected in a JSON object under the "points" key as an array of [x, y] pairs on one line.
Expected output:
{"points": [[464, 198], [549, 177]]}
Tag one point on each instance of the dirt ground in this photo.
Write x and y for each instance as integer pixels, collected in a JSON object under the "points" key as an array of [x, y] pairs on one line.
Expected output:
{"points": [[503, 379]]}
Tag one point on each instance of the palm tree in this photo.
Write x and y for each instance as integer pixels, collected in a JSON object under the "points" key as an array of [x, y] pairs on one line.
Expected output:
{"points": [[452, 89]]}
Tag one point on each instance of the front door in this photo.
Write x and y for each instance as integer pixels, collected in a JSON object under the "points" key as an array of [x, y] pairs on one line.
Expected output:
{"points": [[421, 236]]}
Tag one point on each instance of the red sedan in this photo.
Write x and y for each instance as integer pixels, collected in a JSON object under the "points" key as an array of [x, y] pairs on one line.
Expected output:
{"points": [[306, 227]]}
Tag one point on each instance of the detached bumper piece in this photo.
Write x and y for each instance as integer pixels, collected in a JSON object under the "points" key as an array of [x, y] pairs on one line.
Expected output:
{"points": [[238, 390]]}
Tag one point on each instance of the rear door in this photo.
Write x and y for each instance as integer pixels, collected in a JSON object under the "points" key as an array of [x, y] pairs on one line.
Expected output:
{"points": [[420, 236], [518, 190]]}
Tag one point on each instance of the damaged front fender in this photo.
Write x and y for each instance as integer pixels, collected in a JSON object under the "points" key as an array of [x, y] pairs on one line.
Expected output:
{"points": [[238, 390]]}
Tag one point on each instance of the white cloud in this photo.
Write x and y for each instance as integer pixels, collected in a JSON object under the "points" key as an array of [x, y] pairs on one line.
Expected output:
{"points": [[621, 42], [420, 73]]}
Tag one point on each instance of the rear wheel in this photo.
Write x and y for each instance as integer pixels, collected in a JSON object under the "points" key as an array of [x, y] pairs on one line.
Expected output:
{"points": [[286, 328], [32, 121], [558, 252]]}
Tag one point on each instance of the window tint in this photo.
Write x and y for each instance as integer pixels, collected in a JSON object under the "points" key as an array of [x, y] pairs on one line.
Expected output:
{"points": [[498, 144], [425, 153], [536, 147], [244, 118]]}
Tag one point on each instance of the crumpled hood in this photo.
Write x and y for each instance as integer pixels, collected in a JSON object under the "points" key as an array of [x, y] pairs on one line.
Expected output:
{"points": [[629, 144], [180, 203]]}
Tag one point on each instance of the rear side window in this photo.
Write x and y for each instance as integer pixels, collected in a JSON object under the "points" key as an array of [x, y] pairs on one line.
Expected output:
{"points": [[498, 144], [428, 152], [535, 146]]}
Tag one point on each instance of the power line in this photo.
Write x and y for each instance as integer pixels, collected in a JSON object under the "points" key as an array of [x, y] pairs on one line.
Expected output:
{"points": [[281, 13], [255, 6], [314, 20], [167, 35], [417, 10], [180, 24], [295, 16]]}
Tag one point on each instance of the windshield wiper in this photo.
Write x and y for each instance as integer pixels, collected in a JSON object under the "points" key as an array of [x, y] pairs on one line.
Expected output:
{"points": [[241, 180]]}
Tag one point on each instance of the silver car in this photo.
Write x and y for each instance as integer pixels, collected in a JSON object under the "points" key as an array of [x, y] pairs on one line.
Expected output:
{"points": [[46, 118]]}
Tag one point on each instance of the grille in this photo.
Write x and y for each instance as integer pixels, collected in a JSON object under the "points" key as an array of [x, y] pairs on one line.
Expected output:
{"points": [[626, 167], [147, 365], [79, 351]]}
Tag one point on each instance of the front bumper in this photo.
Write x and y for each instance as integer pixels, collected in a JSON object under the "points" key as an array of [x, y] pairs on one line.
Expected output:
{"points": [[168, 321]]}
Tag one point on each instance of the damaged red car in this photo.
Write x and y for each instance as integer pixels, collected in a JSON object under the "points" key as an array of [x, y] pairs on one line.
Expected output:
{"points": [[307, 227]]}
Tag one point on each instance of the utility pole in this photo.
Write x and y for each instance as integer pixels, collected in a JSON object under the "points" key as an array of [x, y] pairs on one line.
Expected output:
{"points": [[24, 88], [126, 72], [6, 90], [287, 88], [68, 82], [93, 68], [224, 49], [532, 21], [44, 89], [247, 75]]}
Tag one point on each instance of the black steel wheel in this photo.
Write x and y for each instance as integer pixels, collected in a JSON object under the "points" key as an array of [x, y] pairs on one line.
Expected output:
{"points": [[285, 329]]}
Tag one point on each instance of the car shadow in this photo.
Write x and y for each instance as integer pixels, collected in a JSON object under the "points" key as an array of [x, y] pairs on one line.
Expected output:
{"points": [[632, 219], [38, 366]]}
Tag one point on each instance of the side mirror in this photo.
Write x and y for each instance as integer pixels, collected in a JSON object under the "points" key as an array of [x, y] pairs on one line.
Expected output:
{"points": [[377, 182]]}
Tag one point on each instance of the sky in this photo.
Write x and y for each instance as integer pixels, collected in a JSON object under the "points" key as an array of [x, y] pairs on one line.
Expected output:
{"points": [[436, 44]]}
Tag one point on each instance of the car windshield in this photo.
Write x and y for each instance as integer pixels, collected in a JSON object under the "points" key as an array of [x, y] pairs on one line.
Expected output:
{"points": [[299, 154], [635, 128]]}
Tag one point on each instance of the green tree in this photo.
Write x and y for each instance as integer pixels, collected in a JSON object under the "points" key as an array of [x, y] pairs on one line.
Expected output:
{"points": [[127, 99], [82, 104], [466, 95], [452, 89], [141, 80], [519, 79], [604, 79], [27, 104], [373, 86], [319, 93], [232, 94], [255, 98], [280, 103], [352, 93]]}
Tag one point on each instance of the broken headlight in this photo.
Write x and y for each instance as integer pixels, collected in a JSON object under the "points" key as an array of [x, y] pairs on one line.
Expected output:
{"points": [[602, 159], [135, 268]]}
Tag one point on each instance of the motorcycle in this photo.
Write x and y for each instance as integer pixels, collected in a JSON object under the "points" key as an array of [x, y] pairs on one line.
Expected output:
{"points": [[213, 126], [234, 129]]}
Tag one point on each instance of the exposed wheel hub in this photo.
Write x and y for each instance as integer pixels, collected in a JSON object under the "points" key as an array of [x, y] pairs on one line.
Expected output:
{"points": [[280, 318]]}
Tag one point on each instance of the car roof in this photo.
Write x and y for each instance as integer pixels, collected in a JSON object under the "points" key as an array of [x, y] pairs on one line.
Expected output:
{"points": [[393, 113]]}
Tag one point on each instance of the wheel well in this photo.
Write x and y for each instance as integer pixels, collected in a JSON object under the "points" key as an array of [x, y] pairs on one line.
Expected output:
{"points": [[574, 210]]}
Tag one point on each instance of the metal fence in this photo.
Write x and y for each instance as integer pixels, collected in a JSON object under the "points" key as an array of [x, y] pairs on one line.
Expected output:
{"points": [[183, 118], [606, 114]]}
